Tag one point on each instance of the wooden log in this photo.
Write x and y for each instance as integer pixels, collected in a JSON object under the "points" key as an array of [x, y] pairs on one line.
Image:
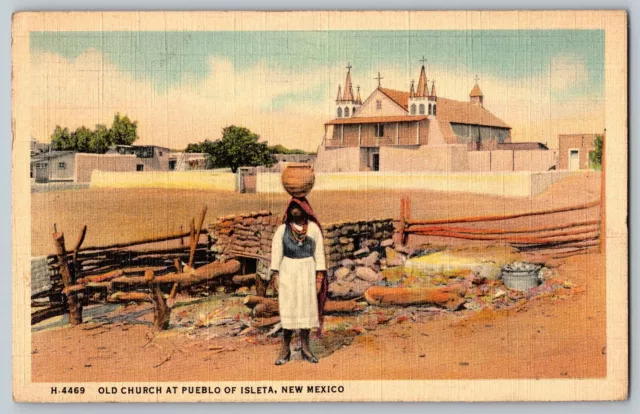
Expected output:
{"points": [[554, 240], [343, 306], [603, 196], [506, 216], [395, 296], [161, 312], [265, 322], [510, 239], [266, 307], [468, 230], [79, 242], [73, 289], [594, 249], [119, 297], [261, 286], [174, 290], [74, 305], [148, 240], [402, 221], [50, 312], [199, 275], [102, 277], [245, 280], [197, 237]]}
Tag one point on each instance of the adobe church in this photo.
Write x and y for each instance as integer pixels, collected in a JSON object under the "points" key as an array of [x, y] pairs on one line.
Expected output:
{"points": [[398, 131]]}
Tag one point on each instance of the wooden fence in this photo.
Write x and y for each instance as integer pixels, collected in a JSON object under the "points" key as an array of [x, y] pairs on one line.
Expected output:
{"points": [[91, 274], [560, 240]]}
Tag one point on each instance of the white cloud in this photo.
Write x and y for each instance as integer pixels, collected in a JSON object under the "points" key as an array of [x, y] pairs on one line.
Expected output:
{"points": [[90, 90]]}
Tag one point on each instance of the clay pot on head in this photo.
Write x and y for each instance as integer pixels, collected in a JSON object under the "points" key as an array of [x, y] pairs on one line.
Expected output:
{"points": [[298, 179]]}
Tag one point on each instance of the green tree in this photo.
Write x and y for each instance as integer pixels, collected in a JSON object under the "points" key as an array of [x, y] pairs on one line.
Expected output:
{"points": [[281, 149], [101, 140], [61, 139], [238, 147], [82, 138], [123, 131], [595, 156]]}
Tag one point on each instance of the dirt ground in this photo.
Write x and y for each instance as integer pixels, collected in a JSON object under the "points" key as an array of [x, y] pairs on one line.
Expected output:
{"points": [[115, 215], [554, 336], [550, 337]]}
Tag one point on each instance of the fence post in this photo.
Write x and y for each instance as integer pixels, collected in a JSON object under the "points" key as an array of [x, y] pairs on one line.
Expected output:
{"points": [[603, 197], [75, 306], [402, 220]]}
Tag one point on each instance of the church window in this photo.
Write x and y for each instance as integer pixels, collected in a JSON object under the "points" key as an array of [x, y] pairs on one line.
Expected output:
{"points": [[413, 109], [434, 110], [339, 112], [379, 130], [378, 104], [353, 111], [430, 109], [346, 112], [421, 109]]}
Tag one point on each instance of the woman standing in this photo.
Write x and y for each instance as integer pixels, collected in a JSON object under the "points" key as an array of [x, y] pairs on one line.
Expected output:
{"points": [[298, 265]]}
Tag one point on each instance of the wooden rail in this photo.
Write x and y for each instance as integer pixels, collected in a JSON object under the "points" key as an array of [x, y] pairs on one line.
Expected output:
{"points": [[575, 236]]}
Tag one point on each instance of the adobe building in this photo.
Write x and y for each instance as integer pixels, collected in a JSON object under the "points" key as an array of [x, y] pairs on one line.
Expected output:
{"points": [[574, 150], [71, 166], [399, 131]]}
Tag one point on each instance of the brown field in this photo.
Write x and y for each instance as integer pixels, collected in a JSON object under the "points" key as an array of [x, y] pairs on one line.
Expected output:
{"points": [[548, 337], [114, 215]]}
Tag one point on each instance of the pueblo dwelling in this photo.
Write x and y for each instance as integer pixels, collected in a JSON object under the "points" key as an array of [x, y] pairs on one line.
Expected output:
{"points": [[400, 131], [574, 151]]}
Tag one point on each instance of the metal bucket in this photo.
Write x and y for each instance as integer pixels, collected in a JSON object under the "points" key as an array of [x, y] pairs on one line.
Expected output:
{"points": [[521, 275]]}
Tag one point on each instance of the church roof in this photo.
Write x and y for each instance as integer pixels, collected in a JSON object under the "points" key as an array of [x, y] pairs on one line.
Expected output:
{"points": [[423, 87], [376, 119], [348, 88], [399, 97], [475, 92], [459, 112], [450, 110]]}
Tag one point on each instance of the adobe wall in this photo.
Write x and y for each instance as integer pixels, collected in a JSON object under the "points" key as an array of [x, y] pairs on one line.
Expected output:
{"points": [[508, 160], [434, 158], [345, 159], [584, 143], [87, 163]]}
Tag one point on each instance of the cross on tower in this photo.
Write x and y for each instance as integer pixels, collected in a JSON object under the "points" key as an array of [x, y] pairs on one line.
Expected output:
{"points": [[349, 66], [477, 78], [423, 60], [379, 78]]}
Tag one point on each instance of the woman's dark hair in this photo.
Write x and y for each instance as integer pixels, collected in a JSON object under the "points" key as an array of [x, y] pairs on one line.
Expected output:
{"points": [[295, 206]]}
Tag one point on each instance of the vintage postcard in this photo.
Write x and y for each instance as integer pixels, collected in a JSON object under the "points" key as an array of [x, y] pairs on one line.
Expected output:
{"points": [[320, 206]]}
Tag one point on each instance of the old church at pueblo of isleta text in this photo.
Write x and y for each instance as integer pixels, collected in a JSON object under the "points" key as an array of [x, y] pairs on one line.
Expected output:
{"points": [[398, 131]]}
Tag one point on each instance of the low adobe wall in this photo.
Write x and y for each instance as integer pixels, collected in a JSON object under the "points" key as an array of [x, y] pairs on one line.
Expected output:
{"points": [[509, 160], [514, 184], [193, 180], [250, 235], [500, 183], [87, 163], [424, 158]]}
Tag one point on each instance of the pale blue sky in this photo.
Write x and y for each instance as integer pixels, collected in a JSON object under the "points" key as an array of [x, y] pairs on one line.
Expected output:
{"points": [[562, 70]]}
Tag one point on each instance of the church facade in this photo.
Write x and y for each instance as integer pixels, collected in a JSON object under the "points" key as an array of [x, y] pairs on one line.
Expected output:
{"points": [[404, 131]]}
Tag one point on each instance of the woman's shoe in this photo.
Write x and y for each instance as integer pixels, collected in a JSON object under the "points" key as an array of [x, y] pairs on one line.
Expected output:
{"points": [[283, 360], [309, 357]]}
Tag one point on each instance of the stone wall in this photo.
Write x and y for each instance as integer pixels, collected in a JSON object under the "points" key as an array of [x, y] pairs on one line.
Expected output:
{"points": [[250, 236]]}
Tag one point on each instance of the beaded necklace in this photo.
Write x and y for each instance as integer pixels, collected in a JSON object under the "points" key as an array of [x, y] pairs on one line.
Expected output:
{"points": [[299, 235]]}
